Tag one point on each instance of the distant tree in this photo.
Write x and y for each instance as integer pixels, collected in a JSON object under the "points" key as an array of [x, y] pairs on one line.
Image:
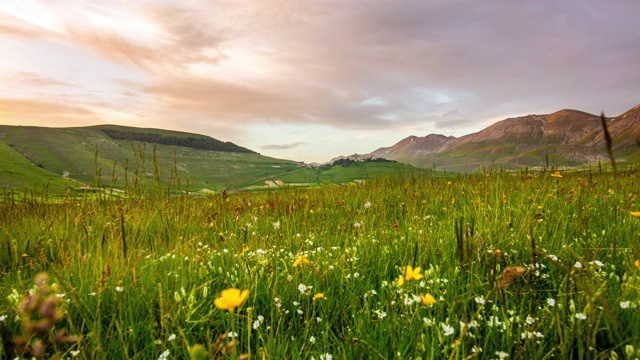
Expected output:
{"points": [[201, 143]]}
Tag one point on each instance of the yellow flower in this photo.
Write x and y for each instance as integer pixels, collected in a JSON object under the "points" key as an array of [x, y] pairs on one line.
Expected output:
{"points": [[637, 264], [556, 174], [409, 273], [635, 214], [301, 261], [231, 299], [319, 296], [428, 299]]}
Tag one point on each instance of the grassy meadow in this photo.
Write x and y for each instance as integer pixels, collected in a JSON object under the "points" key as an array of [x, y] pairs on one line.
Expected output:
{"points": [[491, 265]]}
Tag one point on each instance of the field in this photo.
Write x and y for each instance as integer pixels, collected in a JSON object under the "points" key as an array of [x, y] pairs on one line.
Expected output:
{"points": [[490, 265]]}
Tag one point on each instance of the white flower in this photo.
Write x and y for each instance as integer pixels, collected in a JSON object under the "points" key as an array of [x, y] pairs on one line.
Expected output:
{"points": [[623, 304], [312, 339], [172, 337], [276, 225], [531, 335], [502, 354], [356, 225], [318, 319], [551, 302], [367, 204], [232, 334], [448, 330], [74, 353], [529, 320], [3, 318], [303, 288], [164, 355], [326, 357], [479, 300], [577, 265], [581, 316], [256, 324], [381, 314], [121, 289]]}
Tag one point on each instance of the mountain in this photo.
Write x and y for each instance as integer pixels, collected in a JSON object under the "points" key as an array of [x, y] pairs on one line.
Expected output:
{"points": [[563, 138]]}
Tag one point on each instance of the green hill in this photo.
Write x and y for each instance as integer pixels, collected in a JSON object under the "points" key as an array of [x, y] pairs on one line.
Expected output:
{"points": [[116, 156]]}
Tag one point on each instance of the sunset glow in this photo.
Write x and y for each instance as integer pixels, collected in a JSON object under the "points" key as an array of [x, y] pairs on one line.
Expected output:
{"points": [[316, 79]]}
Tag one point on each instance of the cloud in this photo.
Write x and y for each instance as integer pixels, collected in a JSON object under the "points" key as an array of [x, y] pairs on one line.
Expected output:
{"points": [[33, 79], [39, 108], [452, 123], [282, 146], [358, 67]]}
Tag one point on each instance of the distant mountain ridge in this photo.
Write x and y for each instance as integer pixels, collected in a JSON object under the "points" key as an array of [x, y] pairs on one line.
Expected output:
{"points": [[566, 138]]}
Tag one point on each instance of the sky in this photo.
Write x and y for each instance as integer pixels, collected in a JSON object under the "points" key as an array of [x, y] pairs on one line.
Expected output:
{"points": [[312, 80]]}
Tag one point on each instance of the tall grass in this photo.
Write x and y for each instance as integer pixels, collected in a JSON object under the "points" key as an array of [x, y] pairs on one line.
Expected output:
{"points": [[137, 277]]}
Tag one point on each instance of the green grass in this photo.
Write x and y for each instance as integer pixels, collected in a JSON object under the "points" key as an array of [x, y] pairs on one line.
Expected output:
{"points": [[137, 277], [18, 173]]}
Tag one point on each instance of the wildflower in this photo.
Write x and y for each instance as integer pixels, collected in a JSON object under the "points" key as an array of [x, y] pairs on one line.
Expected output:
{"points": [[635, 214], [428, 299], [319, 296], [409, 273], [395, 227], [164, 355], [172, 337], [556, 174], [479, 300], [232, 334], [448, 330], [581, 316], [380, 313], [625, 304], [312, 339], [367, 204], [498, 253], [231, 298], [276, 225], [637, 264], [301, 260], [119, 289], [357, 225], [303, 288], [3, 318], [326, 356], [577, 265], [502, 354]]}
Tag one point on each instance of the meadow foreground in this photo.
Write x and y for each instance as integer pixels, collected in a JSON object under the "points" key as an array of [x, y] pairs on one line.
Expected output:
{"points": [[492, 265]]}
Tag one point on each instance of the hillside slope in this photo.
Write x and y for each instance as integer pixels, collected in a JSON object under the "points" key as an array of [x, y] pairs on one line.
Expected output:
{"points": [[563, 138]]}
